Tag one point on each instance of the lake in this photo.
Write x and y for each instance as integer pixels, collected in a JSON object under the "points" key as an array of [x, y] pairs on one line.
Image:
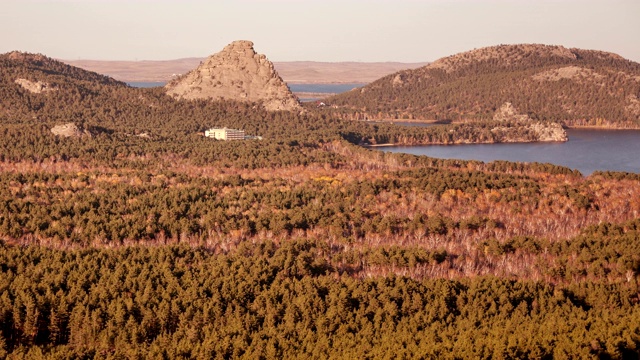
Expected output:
{"points": [[314, 92], [328, 89], [296, 88], [587, 150], [143, 84], [323, 88]]}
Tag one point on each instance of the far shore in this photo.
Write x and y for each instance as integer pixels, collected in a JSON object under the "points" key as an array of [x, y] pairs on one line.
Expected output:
{"points": [[315, 95], [446, 122], [292, 72], [594, 127], [414, 121], [380, 145]]}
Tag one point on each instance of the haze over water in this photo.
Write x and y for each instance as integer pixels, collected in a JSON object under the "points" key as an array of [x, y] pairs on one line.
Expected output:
{"points": [[587, 151]]}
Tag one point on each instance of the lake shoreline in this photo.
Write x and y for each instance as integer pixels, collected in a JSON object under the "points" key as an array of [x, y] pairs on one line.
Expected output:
{"points": [[594, 127], [459, 143], [446, 122], [588, 150]]}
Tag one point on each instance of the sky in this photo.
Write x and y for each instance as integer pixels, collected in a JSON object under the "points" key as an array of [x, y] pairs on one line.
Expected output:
{"points": [[326, 30]]}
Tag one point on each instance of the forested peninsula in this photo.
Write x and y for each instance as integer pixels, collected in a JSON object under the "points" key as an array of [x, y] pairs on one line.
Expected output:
{"points": [[132, 235], [572, 87]]}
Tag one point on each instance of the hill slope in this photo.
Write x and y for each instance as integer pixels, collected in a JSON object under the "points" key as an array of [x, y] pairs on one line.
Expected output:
{"points": [[37, 91], [571, 86]]}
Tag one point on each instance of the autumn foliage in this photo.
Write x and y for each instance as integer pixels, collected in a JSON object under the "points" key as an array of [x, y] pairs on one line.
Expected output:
{"points": [[302, 244]]}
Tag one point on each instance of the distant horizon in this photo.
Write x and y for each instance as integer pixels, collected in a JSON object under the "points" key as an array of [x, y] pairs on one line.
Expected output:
{"points": [[404, 31], [275, 61], [332, 62], [291, 71], [311, 60]]}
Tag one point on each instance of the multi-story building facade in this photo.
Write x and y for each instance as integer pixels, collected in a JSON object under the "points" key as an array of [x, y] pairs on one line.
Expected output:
{"points": [[224, 134]]}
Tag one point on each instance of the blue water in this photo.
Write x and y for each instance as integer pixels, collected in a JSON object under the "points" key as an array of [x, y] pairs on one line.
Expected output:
{"points": [[142, 84], [323, 88], [309, 88], [328, 89], [296, 88], [586, 151]]}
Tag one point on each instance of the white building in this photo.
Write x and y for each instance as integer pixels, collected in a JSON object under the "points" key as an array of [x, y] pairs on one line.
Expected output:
{"points": [[224, 134]]}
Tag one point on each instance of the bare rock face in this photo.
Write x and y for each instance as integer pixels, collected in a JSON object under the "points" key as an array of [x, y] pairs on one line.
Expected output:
{"points": [[397, 80], [568, 72], [508, 113], [633, 106], [544, 131], [22, 56], [236, 73], [68, 130], [35, 87], [549, 131]]}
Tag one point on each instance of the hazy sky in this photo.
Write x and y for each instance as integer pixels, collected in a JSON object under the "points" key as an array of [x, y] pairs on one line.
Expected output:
{"points": [[326, 30]]}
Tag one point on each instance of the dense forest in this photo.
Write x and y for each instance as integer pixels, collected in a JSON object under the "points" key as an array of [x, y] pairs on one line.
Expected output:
{"points": [[264, 301], [143, 239], [572, 86]]}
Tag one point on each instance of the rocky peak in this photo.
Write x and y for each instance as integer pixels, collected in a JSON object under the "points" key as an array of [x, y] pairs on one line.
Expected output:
{"points": [[237, 73]]}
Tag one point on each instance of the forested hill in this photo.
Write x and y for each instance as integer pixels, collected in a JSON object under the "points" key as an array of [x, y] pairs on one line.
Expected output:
{"points": [[33, 86], [571, 86], [37, 74], [25, 65], [40, 92]]}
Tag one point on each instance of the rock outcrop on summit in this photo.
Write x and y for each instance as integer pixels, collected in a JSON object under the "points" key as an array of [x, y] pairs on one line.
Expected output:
{"points": [[236, 73]]}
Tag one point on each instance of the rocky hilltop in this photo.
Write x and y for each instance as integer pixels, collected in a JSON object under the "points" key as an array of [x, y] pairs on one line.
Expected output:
{"points": [[574, 87], [238, 73]]}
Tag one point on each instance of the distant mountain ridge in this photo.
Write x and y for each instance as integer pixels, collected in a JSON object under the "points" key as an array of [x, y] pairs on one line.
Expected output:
{"points": [[293, 72], [553, 83]]}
